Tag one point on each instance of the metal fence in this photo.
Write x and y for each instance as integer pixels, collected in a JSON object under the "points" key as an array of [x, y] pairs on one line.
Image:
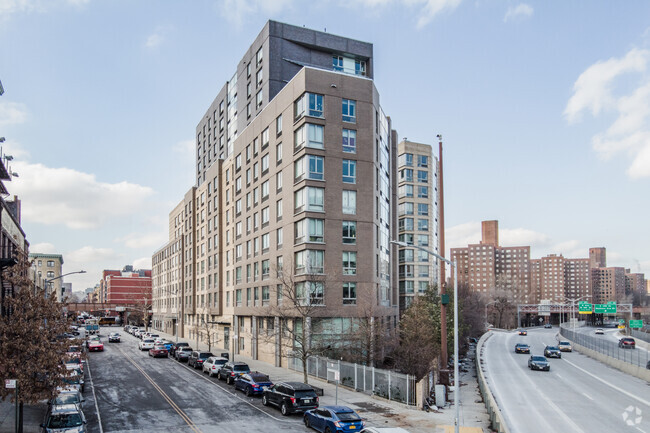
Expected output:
{"points": [[642, 334], [598, 343], [370, 380]]}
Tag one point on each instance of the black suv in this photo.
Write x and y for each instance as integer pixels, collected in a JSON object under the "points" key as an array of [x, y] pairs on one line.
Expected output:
{"points": [[172, 350], [197, 359], [291, 397], [230, 370]]}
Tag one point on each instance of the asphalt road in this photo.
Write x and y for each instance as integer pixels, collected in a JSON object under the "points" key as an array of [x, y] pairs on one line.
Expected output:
{"points": [[578, 394], [129, 391]]}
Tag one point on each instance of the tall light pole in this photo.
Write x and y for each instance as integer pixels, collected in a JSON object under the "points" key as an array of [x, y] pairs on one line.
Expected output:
{"points": [[456, 378], [47, 282], [573, 301]]}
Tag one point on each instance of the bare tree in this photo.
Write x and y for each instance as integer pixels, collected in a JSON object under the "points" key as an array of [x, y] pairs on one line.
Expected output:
{"points": [[300, 298], [141, 305], [206, 333], [29, 348]]}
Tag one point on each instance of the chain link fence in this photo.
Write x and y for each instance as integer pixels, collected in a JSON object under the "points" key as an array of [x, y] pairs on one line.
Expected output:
{"points": [[599, 343], [370, 380]]}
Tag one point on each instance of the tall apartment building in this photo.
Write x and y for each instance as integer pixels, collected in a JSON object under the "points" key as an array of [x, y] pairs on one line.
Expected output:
{"points": [[487, 267], [295, 177], [417, 219], [49, 267], [608, 284], [558, 279]]}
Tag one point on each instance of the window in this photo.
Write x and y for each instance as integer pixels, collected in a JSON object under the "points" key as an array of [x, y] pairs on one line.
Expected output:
{"points": [[349, 293], [238, 184], [238, 206], [406, 271], [278, 125], [278, 210], [309, 135], [249, 90], [405, 190], [423, 161], [405, 224], [278, 181], [238, 275], [265, 242], [360, 67], [50, 274], [258, 99], [349, 232], [309, 261], [349, 141], [238, 297], [423, 271], [259, 77], [248, 74], [265, 163], [405, 255], [423, 224], [265, 190], [238, 251], [423, 256], [309, 230], [279, 235], [405, 208], [310, 198], [349, 202], [310, 293], [309, 165], [265, 138], [423, 240], [423, 209], [406, 175], [405, 159], [423, 176], [349, 263], [259, 56], [278, 152], [337, 63], [310, 104], [50, 263], [266, 296], [349, 110], [265, 216], [265, 269], [423, 192], [349, 171]]}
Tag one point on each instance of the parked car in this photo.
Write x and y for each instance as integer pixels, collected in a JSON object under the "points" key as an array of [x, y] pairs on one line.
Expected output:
{"points": [[158, 350], [213, 364], [522, 348], [64, 418], [253, 383], [565, 346], [552, 352], [176, 345], [627, 343], [183, 353], [197, 358], [168, 344], [67, 396], [290, 397], [536, 362], [145, 344], [114, 337], [599, 331], [230, 370], [92, 338], [522, 332], [333, 419], [75, 381]]}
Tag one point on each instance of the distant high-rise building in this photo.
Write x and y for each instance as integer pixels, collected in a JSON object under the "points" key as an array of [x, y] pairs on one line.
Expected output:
{"points": [[48, 269], [417, 213], [597, 257], [127, 287]]}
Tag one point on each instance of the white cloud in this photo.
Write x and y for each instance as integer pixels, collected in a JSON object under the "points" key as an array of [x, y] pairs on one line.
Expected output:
{"points": [[12, 113], [595, 92], [520, 11], [8, 7], [143, 263], [90, 255], [144, 240], [74, 199], [154, 40], [43, 248], [521, 237], [431, 8]]}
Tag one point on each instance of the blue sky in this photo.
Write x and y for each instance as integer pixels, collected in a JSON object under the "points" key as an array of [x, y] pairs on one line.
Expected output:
{"points": [[544, 108]]}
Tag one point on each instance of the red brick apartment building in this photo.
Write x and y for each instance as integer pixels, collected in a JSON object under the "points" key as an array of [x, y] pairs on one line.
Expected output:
{"points": [[127, 286]]}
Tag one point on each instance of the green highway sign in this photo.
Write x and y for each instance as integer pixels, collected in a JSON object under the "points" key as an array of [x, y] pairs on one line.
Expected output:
{"points": [[609, 308], [636, 323], [584, 308], [621, 321]]}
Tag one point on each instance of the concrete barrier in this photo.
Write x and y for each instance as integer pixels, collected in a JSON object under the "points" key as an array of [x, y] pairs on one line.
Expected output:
{"points": [[496, 417]]}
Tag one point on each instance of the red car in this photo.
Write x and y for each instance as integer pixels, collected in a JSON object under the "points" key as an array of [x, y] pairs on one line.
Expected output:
{"points": [[95, 346], [159, 350], [627, 343]]}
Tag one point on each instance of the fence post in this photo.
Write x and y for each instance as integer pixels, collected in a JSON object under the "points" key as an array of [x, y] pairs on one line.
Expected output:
{"points": [[389, 385], [373, 380], [364, 378], [317, 364], [355, 376], [408, 395]]}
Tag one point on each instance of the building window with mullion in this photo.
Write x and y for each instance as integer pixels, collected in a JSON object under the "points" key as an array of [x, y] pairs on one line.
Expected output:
{"points": [[349, 171], [349, 263], [349, 293], [349, 110], [349, 141], [349, 232]]}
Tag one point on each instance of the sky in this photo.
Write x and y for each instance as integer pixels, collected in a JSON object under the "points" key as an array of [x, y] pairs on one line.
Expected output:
{"points": [[543, 106]]}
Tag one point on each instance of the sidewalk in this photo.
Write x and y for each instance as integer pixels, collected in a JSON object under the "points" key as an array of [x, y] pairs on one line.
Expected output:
{"points": [[379, 412], [32, 417]]}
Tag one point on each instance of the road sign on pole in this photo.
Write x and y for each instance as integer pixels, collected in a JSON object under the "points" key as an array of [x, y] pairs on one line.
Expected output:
{"points": [[584, 307], [609, 308], [636, 323]]}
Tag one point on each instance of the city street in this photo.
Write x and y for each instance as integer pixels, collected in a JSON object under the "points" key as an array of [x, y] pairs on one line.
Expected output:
{"points": [[578, 394], [130, 391]]}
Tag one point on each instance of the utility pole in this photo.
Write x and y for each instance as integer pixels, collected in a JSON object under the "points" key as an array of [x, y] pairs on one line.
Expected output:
{"points": [[441, 236]]}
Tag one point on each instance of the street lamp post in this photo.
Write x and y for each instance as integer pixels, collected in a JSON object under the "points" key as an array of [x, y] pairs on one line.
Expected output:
{"points": [[573, 301], [453, 264], [47, 282]]}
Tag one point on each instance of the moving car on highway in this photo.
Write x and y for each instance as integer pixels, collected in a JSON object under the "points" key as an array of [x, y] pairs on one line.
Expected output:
{"points": [[599, 331], [114, 337], [565, 346], [627, 343], [536, 362], [522, 348], [522, 332], [552, 352]]}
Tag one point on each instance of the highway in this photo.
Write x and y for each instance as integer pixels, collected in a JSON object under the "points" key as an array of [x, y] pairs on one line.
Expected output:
{"points": [[578, 394]]}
